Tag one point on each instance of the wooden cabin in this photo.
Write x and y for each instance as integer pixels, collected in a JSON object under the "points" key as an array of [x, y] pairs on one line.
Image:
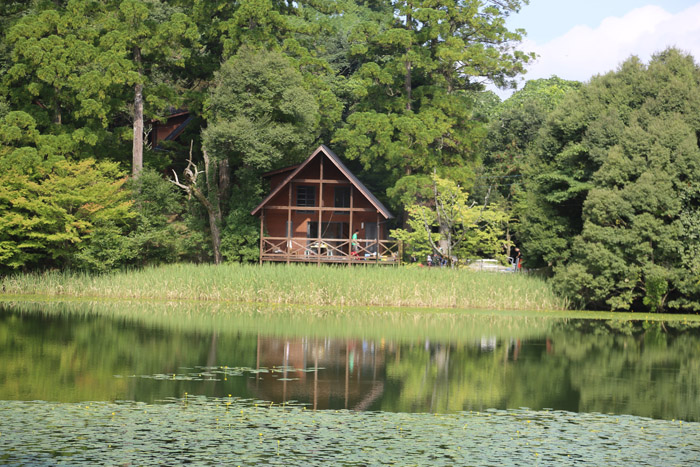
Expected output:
{"points": [[175, 123], [313, 210]]}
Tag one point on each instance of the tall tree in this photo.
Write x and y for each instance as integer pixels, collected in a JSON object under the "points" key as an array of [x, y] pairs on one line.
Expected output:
{"points": [[261, 115], [156, 37], [73, 66], [414, 91], [617, 166], [465, 229], [512, 131], [60, 76]]}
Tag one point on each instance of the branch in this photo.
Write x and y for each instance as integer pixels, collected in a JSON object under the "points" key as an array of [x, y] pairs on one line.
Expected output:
{"points": [[428, 230], [486, 201], [190, 176]]}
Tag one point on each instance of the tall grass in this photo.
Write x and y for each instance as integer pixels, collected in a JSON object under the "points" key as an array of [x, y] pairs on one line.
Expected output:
{"points": [[301, 285]]}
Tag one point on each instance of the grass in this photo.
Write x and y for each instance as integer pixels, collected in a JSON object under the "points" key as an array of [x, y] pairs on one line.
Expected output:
{"points": [[301, 285]]}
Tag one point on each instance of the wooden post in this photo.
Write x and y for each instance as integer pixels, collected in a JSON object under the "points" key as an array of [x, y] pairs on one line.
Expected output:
{"points": [[262, 220], [378, 236], [352, 199], [320, 210]]}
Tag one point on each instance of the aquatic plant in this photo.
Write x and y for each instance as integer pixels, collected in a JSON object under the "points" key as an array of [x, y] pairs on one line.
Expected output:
{"points": [[231, 431]]}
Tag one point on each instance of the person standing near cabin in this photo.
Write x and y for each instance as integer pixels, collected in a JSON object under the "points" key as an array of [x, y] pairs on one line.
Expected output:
{"points": [[354, 241], [517, 260]]}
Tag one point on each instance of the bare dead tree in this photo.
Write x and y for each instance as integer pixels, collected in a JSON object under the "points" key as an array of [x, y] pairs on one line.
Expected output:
{"points": [[189, 185]]}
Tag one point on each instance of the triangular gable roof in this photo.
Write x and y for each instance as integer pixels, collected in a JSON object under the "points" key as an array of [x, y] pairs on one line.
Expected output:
{"points": [[344, 170]]}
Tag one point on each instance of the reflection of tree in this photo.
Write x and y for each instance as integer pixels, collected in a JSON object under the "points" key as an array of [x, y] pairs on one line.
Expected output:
{"points": [[56, 358], [627, 367], [647, 369], [445, 378]]}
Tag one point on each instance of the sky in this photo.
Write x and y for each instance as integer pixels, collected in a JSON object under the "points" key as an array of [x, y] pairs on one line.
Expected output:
{"points": [[578, 39]]}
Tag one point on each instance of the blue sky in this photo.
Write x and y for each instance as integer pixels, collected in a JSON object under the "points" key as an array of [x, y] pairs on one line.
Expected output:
{"points": [[577, 39]]}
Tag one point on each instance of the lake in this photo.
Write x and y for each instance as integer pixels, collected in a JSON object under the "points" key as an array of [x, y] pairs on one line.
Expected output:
{"points": [[134, 382]]}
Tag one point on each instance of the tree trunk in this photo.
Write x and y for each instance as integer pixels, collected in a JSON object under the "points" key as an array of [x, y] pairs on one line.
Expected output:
{"points": [[444, 242], [508, 245], [214, 221], [224, 186], [213, 208], [137, 153], [404, 216], [407, 82], [213, 212]]}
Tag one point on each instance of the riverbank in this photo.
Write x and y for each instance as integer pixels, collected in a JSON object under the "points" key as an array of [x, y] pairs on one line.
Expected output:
{"points": [[298, 284]]}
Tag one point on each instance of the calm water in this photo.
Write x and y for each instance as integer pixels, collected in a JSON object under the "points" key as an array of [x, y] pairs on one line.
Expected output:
{"points": [[382, 363]]}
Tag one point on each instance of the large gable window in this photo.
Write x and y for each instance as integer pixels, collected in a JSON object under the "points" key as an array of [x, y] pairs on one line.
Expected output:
{"points": [[342, 197], [306, 196]]}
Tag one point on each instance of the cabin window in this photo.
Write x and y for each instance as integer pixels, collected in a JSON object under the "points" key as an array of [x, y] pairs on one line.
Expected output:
{"points": [[306, 196], [342, 197]]}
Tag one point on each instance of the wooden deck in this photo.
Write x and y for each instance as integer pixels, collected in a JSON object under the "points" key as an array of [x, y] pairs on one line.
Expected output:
{"points": [[329, 250]]}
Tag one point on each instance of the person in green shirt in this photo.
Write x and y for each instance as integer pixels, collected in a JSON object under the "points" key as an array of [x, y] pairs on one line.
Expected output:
{"points": [[354, 242]]}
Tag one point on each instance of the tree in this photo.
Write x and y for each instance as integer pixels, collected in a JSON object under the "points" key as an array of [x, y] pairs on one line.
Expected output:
{"points": [[57, 212], [261, 116], [60, 76], [512, 131], [616, 167], [450, 225], [154, 37], [51, 212], [191, 186], [415, 90]]}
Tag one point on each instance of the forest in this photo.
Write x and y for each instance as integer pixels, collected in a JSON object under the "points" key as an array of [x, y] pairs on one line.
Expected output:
{"points": [[597, 183]]}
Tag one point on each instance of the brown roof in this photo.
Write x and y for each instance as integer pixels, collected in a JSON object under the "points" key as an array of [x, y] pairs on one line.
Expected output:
{"points": [[279, 171], [339, 164]]}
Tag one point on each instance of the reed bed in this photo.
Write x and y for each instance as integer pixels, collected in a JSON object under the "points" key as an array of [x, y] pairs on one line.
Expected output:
{"points": [[297, 284]]}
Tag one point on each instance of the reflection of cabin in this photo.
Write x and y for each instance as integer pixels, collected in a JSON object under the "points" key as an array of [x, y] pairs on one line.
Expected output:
{"points": [[325, 373], [297, 224]]}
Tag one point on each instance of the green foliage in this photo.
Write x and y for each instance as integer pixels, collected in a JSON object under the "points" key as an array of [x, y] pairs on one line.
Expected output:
{"points": [[422, 62], [60, 213], [614, 182], [512, 131], [464, 230], [260, 113], [61, 74], [261, 116], [157, 235], [50, 214], [241, 235]]}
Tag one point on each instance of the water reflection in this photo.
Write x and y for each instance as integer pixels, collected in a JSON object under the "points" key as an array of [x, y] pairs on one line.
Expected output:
{"points": [[622, 367], [325, 373]]}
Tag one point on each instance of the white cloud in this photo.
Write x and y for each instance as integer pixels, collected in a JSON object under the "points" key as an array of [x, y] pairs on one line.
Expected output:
{"points": [[584, 52]]}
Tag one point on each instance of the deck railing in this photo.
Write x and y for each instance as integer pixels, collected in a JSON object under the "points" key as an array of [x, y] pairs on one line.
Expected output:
{"points": [[329, 250]]}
